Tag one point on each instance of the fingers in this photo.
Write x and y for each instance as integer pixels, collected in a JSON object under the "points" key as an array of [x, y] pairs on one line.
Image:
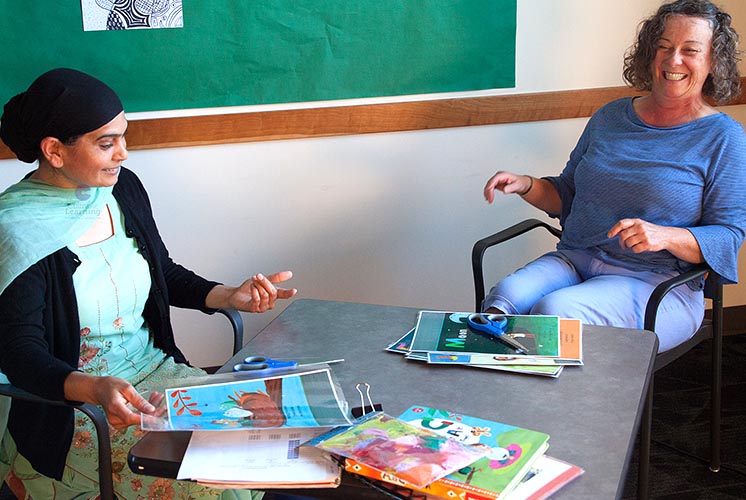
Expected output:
{"points": [[264, 294], [136, 399], [497, 181], [621, 226], [280, 277], [506, 182], [286, 293], [259, 293], [636, 235], [121, 402]]}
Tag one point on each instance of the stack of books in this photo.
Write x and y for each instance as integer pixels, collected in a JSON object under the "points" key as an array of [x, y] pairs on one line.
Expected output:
{"points": [[550, 342], [512, 465]]}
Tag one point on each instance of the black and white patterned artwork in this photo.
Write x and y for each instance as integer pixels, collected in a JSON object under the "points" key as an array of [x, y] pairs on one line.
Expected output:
{"points": [[100, 15]]}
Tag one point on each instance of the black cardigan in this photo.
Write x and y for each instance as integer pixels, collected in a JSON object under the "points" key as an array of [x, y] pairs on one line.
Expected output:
{"points": [[40, 330]]}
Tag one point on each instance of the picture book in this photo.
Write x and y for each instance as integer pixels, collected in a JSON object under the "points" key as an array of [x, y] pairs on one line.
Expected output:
{"points": [[438, 331], [258, 458], [512, 450], [545, 477], [297, 399], [411, 453], [570, 353], [401, 346], [442, 488]]}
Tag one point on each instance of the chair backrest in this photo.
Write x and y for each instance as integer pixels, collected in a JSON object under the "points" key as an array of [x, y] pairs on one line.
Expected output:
{"points": [[237, 325]]}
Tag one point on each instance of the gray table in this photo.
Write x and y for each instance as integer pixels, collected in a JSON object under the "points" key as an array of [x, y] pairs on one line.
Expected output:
{"points": [[591, 412]]}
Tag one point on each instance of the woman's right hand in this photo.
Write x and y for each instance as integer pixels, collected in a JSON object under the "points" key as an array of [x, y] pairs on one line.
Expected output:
{"points": [[117, 397], [508, 183]]}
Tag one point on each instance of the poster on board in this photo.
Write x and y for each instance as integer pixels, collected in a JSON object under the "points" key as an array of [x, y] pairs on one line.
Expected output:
{"points": [[110, 15]]}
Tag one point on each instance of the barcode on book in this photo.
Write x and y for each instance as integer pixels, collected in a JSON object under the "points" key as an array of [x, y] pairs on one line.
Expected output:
{"points": [[293, 448]]}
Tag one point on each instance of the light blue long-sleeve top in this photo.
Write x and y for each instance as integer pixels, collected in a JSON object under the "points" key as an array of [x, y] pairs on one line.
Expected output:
{"points": [[691, 176]]}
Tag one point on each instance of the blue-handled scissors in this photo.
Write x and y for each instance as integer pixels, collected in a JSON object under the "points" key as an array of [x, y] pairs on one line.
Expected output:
{"points": [[255, 363], [495, 325]]}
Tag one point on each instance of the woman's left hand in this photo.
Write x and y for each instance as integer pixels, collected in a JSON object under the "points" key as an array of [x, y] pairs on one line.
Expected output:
{"points": [[257, 294], [642, 236]]}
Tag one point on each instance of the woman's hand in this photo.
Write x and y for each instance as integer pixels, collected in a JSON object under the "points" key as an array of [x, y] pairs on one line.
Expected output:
{"points": [[508, 183], [257, 294], [120, 400], [538, 192], [642, 236]]}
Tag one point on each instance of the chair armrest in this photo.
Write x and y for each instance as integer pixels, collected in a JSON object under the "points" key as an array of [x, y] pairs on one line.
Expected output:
{"points": [[99, 421], [660, 291], [477, 253], [237, 324]]}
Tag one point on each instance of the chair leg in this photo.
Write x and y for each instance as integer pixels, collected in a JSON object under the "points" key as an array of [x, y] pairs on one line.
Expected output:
{"points": [[716, 401], [643, 471], [106, 483]]}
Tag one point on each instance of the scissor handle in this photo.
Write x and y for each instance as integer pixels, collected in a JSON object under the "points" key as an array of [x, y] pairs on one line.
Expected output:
{"points": [[253, 363], [255, 359], [492, 324], [498, 320]]}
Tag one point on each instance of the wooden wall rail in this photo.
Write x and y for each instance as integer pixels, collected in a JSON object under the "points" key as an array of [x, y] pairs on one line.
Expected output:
{"points": [[364, 119]]}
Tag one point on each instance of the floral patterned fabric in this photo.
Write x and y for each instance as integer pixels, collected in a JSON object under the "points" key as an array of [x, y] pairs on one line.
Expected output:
{"points": [[111, 287], [80, 478]]}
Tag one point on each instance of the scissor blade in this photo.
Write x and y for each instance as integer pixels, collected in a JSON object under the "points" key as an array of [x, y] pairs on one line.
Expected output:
{"points": [[321, 363]]}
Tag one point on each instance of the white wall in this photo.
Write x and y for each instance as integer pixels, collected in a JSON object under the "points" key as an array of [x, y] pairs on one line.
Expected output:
{"points": [[382, 218]]}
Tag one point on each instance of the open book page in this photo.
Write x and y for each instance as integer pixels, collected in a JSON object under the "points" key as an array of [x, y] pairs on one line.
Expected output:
{"points": [[253, 458]]}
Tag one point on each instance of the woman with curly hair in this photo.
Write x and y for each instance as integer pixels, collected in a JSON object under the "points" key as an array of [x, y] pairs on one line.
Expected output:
{"points": [[653, 186]]}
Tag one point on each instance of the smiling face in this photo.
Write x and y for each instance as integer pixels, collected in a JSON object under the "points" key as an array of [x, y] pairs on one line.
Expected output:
{"points": [[93, 160], [682, 61]]}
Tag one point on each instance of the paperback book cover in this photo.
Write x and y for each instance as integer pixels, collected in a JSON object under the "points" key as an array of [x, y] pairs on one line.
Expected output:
{"points": [[401, 346], [414, 454], [512, 452], [438, 331], [545, 477], [570, 353]]}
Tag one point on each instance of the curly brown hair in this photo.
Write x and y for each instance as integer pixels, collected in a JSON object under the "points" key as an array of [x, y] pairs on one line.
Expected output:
{"points": [[723, 84]]}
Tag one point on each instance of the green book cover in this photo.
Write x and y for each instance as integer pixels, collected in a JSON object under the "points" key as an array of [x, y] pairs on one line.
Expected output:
{"points": [[513, 450], [439, 331]]}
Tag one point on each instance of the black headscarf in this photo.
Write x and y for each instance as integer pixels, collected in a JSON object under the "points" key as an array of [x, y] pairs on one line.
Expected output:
{"points": [[62, 103]]}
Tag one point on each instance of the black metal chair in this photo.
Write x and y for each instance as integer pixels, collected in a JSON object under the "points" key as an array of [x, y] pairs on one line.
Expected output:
{"points": [[711, 328], [106, 485]]}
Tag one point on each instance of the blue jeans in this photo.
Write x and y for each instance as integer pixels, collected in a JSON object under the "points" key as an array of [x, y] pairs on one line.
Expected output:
{"points": [[573, 284]]}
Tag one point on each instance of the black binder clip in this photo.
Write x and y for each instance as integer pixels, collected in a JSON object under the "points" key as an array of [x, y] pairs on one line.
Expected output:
{"points": [[365, 406]]}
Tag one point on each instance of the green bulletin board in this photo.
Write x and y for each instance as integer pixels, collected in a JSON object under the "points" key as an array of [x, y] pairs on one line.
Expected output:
{"points": [[244, 52]]}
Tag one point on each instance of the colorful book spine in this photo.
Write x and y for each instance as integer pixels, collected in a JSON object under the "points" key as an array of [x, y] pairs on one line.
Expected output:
{"points": [[443, 488]]}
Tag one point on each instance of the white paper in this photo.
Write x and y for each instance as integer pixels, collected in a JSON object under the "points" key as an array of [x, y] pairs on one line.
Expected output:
{"points": [[261, 455]]}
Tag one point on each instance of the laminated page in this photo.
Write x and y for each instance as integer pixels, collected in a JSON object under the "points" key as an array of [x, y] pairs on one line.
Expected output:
{"points": [[295, 398]]}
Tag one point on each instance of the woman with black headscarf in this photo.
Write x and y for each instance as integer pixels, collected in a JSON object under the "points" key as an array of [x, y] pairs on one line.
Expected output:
{"points": [[85, 288]]}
